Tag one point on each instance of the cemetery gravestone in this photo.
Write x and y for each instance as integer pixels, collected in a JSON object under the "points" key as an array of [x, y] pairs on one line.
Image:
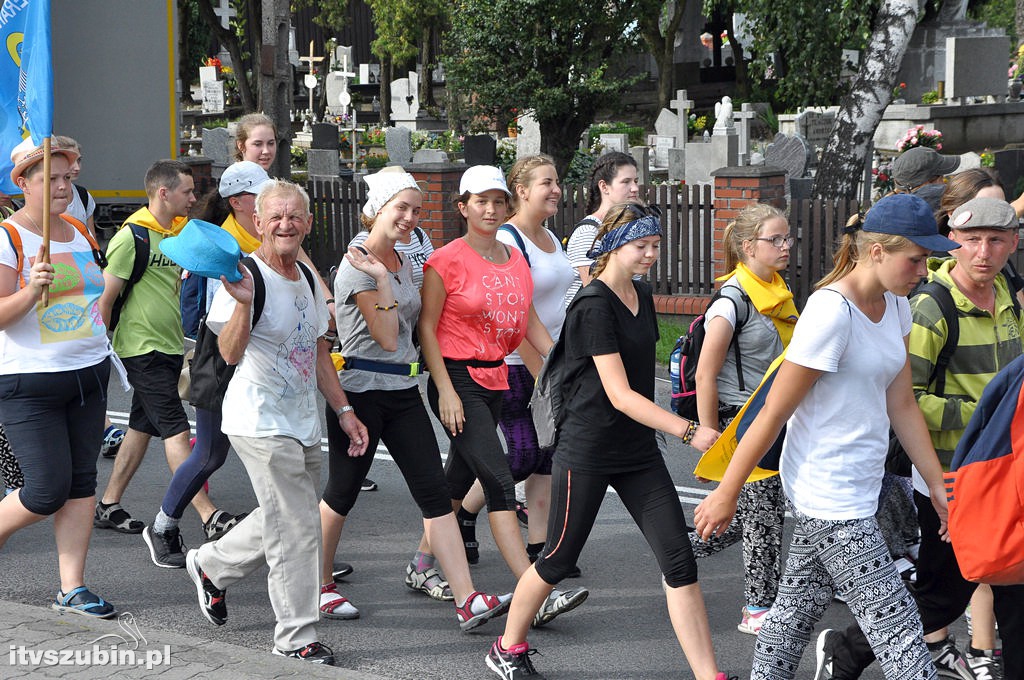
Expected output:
{"points": [[479, 149], [815, 128], [528, 140], [217, 146], [661, 148], [429, 156], [405, 103], [788, 153], [976, 66], [614, 142], [398, 141]]}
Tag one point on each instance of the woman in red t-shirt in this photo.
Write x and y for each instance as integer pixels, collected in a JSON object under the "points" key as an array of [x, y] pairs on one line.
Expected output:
{"points": [[477, 308]]}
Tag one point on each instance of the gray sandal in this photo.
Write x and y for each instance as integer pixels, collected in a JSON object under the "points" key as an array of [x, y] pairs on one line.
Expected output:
{"points": [[117, 518]]}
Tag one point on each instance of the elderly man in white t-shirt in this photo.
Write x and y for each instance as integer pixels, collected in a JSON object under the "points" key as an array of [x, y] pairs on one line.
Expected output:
{"points": [[271, 417]]}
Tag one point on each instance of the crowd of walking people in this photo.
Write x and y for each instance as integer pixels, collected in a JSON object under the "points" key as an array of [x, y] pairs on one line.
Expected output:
{"points": [[484, 315]]}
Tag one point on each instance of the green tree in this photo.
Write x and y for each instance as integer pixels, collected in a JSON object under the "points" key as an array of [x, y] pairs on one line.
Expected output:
{"points": [[797, 45], [232, 40], [659, 21], [551, 58]]}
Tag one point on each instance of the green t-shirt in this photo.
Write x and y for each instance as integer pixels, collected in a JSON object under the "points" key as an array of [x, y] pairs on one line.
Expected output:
{"points": [[151, 317]]}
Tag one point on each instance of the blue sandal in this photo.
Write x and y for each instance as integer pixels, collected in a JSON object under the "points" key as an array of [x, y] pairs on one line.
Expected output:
{"points": [[83, 601]]}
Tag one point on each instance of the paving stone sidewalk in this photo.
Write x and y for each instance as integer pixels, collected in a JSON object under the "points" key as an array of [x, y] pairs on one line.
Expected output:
{"points": [[38, 642]]}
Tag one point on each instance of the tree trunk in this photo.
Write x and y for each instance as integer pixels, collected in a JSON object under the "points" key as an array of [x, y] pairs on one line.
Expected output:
{"points": [[276, 80], [229, 40], [1019, 21], [842, 162], [559, 137], [662, 46], [184, 70], [743, 88], [427, 59], [386, 76]]}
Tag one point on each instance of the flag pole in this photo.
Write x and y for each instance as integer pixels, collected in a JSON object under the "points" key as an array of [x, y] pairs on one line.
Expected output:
{"points": [[46, 213]]}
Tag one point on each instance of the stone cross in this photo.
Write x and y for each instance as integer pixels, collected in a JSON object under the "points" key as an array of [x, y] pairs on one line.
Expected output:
{"points": [[311, 77], [682, 106], [744, 117], [225, 11]]}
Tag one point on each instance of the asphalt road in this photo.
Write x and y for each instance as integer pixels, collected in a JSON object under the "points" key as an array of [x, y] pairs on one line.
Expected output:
{"points": [[622, 631]]}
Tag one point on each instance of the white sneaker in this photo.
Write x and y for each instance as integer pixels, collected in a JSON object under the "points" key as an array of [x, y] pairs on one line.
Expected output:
{"points": [[558, 603]]}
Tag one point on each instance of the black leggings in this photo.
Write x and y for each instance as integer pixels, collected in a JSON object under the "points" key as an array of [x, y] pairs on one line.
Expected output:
{"points": [[399, 419], [650, 498], [55, 425], [476, 452]]}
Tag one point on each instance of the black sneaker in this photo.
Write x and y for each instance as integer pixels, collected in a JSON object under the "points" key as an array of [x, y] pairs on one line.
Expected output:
{"points": [[220, 523], [211, 598], [513, 663], [950, 662], [166, 549], [314, 652], [368, 485], [825, 653], [341, 570]]}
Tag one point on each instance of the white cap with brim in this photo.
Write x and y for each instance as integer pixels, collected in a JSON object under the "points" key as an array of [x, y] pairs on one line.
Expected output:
{"points": [[205, 249], [481, 178], [243, 177]]}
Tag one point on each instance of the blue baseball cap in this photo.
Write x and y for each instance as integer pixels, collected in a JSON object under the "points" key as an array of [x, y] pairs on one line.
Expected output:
{"points": [[205, 249], [908, 216]]}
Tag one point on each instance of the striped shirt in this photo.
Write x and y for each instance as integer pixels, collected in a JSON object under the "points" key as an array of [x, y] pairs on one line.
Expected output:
{"points": [[986, 345]]}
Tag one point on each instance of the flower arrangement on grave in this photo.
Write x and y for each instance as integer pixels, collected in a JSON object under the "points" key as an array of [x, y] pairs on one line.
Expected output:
{"points": [[505, 153], [213, 61], [930, 97], [373, 161], [374, 136], [897, 92], [1017, 65], [918, 136], [882, 181], [696, 125]]}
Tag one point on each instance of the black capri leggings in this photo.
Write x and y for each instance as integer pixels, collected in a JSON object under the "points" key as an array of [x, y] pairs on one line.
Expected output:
{"points": [[399, 418], [651, 499], [55, 425], [476, 452]]}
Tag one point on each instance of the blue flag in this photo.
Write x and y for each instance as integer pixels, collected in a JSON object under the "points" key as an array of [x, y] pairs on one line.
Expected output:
{"points": [[26, 79]]}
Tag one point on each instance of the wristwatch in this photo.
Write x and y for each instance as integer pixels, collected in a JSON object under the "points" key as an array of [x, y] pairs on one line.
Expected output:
{"points": [[345, 409]]}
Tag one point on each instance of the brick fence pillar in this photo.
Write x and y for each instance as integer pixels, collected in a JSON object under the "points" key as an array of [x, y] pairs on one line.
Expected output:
{"points": [[735, 189], [439, 216]]}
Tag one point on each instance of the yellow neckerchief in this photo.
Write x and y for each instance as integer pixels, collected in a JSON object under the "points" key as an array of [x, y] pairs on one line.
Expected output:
{"points": [[144, 218], [771, 298], [246, 241]]}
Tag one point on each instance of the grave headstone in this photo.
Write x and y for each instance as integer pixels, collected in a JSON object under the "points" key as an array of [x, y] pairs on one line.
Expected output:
{"points": [[789, 153], [405, 103], [744, 121], [677, 164], [724, 121], [479, 149], [213, 96], [816, 128], [335, 83], [661, 147], [703, 158], [398, 141], [325, 136], [1009, 163], [642, 156], [614, 142], [528, 140], [667, 124], [976, 66], [343, 59], [217, 145], [429, 156], [323, 162]]}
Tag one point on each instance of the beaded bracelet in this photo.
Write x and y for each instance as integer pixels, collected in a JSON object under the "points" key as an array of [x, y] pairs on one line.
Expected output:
{"points": [[691, 430], [385, 309]]}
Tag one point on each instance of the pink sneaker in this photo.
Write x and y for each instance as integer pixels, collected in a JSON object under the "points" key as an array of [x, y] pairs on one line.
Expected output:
{"points": [[751, 622]]}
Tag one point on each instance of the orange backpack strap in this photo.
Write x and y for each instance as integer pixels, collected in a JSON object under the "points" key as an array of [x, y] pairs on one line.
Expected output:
{"points": [[97, 254], [15, 239]]}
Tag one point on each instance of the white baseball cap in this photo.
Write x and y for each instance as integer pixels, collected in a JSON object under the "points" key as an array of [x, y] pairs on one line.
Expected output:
{"points": [[243, 177], [481, 178]]}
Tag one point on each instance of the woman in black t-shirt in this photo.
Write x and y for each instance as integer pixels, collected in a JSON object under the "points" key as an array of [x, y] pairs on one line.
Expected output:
{"points": [[607, 439]]}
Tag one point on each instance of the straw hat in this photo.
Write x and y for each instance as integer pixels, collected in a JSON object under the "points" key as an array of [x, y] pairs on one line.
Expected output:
{"points": [[27, 154]]}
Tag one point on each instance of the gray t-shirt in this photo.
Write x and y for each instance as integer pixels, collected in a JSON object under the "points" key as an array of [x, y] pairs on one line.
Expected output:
{"points": [[354, 332], [759, 345]]}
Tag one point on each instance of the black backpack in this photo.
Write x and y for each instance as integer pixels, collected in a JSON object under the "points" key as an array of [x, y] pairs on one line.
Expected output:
{"points": [[141, 239], [209, 374], [686, 354]]}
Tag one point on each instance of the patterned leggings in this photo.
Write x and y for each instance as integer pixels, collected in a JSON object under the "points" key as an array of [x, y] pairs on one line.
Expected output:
{"points": [[760, 511], [758, 523], [849, 556], [9, 468]]}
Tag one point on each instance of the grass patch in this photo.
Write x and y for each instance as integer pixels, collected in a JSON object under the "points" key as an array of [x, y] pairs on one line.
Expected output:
{"points": [[668, 332]]}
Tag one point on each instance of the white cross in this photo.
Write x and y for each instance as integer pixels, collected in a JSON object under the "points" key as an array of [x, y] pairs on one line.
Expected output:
{"points": [[682, 105], [743, 118], [225, 11]]}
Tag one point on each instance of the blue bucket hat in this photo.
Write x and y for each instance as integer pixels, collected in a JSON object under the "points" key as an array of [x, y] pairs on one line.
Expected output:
{"points": [[204, 249], [908, 216]]}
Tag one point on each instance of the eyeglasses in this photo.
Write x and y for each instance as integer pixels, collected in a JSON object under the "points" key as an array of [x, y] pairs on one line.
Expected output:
{"points": [[778, 241], [638, 211]]}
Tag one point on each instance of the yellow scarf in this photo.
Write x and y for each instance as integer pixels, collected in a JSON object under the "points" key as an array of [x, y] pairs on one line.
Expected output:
{"points": [[144, 218], [771, 298], [246, 241]]}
